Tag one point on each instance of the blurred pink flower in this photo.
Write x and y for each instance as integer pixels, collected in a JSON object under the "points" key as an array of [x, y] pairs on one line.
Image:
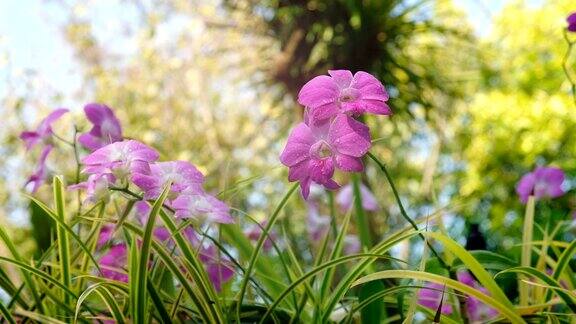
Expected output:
{"points": [[219, 270], [346, 197], [181, 174], [341, 92], [430, 297], [313, 152], [44, 131], [254, 231], [96, 187], [106, 232], [477, 311], [113, 263], [121, 159], [201, 206], [142, 212], [40, 175], [352, 244], [571, 20], [543, 182], [106, 129], [318, 224]]}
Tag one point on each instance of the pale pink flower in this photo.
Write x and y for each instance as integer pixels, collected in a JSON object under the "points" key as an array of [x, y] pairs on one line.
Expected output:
{"points": [[121, 159], [106, 129], [181, 174], [201, 206], [345, 198], [43, 133]]}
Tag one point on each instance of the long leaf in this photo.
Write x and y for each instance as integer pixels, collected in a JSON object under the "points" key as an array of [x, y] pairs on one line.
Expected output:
{"points": [[62, 235], [507, 311], [526, 256], [258, 248], [546, 279], [562, 264], [141, 291]]}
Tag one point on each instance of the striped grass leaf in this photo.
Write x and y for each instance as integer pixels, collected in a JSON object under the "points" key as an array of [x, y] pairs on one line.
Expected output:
{"points": [[526, 255], [62, 236], [473, 265], [176, 269], [529, 271], [66, 228], [308, 275], [25, 274], [258, 248], [141, 274], [195, 268], [356, 271], [508, 311], [102, 289], [562, 265]]}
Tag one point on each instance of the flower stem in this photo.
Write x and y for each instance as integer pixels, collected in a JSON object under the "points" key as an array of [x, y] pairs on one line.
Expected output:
{"points": [[403, 211]]}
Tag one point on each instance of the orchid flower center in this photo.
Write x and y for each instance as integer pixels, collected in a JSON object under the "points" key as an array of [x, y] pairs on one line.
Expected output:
{"points": [[348, 95], [320, 150]]}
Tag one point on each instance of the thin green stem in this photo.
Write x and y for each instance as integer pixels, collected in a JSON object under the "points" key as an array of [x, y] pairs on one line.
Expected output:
{"points": [[403, 211]]}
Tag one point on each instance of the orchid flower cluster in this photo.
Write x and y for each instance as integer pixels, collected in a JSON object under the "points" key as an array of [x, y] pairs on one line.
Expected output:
{"points": [[331, 137], [115, 163]]}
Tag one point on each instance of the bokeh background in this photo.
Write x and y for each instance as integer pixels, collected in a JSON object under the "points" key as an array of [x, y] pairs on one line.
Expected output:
{"points": [[477, 89]]}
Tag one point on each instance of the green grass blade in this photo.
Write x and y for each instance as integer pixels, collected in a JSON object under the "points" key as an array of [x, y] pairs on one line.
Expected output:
{"points": [[176, 269], [40, 274], [141, 297], [361, 219], [344, 284], [6, 315], [505, 310], [67, 228], [114, 309], [62, 236], [314, 271], [526, 256], [562, 264], [474, 266], [258, 248], [546, 279], [26, 277], [158, 304]]}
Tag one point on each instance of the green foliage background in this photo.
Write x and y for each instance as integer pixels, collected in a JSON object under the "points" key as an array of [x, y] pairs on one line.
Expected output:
{"points": [[213, 82]]}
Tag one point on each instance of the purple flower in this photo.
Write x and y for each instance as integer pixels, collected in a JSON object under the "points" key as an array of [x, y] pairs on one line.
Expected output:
{"points": [[254, 231], [44, 131], [40, 175], [120, 159], [217, 266], [201, 206], [430, 297], [106, 129], [543, 182], [346, 197], [477, 311], [161, 233], [218, 269], [313, 152], [181, 174], [318, 224], [96, 187], [341, 92], [114, 261], [352, 244], [571, 20], [105, 236]]}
